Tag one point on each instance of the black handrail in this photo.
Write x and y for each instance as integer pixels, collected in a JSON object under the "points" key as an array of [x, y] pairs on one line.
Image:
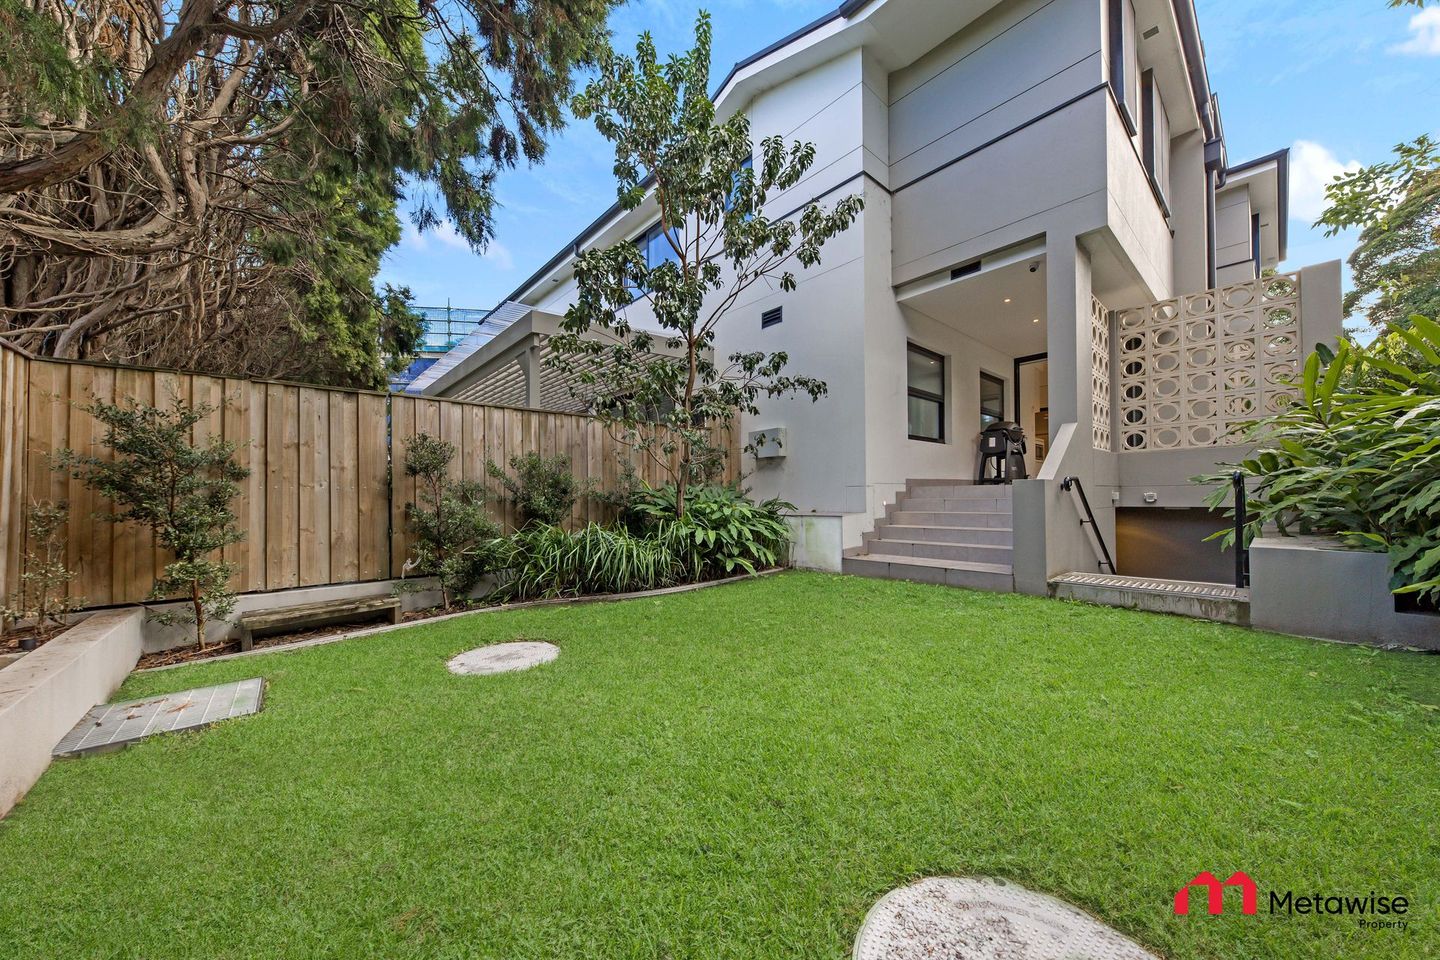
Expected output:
{"points": [[1089, 517], [1242, 519]]}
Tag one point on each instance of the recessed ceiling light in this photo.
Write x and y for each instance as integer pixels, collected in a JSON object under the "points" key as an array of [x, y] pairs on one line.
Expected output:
{"points": [[1036, 320], [1007, 299]]}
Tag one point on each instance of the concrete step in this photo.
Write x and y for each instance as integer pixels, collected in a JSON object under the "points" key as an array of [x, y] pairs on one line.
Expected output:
{"points": [[957, 489], [1187, 598], [999, 536], [976, 576], [930, 550], [954, 504], [933, 518]]}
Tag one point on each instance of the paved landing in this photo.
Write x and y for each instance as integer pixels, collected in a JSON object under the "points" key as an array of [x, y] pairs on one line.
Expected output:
{"points": [[113, 725]]}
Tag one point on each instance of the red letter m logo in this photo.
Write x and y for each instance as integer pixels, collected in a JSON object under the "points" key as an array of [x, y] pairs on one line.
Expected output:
{"points": [[1215, 893]]}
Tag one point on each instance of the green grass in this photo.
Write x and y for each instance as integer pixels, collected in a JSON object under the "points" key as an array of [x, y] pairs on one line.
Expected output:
{"points": [[741, 772]]}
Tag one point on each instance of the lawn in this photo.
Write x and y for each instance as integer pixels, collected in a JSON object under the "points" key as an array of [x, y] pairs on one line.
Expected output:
{"points": [[740, 772]]}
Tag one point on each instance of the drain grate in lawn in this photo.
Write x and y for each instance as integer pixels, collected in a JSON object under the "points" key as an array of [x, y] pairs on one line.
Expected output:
{"points": [[112, 725]]}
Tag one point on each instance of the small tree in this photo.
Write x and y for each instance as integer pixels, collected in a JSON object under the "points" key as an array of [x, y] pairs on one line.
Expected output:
{"points": [[44, 586], [161, 479], [543, 488], [452, 533], [711, 186]]}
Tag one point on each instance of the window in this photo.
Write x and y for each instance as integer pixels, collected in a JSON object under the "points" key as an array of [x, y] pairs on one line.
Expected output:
{"points": [[657, 248], [1124, 60], [925, 376], [746, 164], [1157, 134], [992, 400]]}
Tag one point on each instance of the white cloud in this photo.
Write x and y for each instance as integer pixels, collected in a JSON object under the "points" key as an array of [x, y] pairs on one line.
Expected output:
{"points": [[447, 236], [1312, 167], [1424, 35]]}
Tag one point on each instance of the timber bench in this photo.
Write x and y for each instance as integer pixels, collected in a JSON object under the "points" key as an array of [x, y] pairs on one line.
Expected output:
{"points": [[265, 622]]}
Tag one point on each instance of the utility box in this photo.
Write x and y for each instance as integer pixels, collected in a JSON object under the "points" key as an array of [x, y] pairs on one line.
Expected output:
{"points": [[768, 444]]}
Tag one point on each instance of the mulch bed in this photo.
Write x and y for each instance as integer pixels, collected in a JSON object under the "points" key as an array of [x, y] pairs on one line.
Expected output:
{"points": [[10, 642], [165, 658]]}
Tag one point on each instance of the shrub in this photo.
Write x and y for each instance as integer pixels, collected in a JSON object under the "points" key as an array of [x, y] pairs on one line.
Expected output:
{"points": [[1357, 456], [543, 489], [180, 490], [454, 538], [722, 530], [546, 561], [44, 595]]}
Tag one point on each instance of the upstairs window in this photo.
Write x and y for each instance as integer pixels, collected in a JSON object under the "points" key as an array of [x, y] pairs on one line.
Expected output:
{"points": [[1156, 142], [1124, 59], [925, 377], [746, 164], [657, 247]]}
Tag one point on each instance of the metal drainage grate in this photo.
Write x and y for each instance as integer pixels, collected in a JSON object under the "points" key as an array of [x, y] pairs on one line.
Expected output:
{"points": [[113, 725], [1180, 588]]}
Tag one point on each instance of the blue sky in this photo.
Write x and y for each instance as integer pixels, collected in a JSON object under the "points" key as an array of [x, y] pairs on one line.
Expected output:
{"points": [[1338, 81]]}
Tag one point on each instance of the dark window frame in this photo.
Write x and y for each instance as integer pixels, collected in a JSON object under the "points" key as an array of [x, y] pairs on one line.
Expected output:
{"points": [[998, 382], [926, 395], [1118, 63]]}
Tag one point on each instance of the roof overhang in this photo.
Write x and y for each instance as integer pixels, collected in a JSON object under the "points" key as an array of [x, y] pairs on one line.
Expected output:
{"points": [[1268, 179]]}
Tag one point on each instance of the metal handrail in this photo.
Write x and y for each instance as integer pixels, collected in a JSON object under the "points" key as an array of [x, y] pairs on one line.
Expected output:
{"points": [[1074, 483], [1242, 519]]}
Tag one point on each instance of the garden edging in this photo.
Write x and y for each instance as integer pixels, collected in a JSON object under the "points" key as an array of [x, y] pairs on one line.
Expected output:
{"points": [[48, 691], [500, 608]]}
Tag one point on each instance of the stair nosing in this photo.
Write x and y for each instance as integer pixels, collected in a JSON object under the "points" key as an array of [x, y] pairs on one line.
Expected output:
{"points": [[999, 569]]}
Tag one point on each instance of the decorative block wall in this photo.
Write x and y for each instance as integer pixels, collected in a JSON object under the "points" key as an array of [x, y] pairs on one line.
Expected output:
{"points": [[1099, 375], [1194, 369]]}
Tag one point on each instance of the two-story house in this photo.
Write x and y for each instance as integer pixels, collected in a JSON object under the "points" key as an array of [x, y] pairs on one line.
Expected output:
{"points": [[1053, 234]]}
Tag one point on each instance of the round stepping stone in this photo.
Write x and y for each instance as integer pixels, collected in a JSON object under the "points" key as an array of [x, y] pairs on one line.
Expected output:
{"points": [[503, 657], [977, 918]]}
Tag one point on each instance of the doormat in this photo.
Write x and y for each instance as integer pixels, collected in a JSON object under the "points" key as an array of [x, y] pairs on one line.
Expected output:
{"points": [[110, 726], [978, 918]]}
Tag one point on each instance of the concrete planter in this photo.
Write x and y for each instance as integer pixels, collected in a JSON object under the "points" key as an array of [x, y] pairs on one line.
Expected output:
{"points": [[1316, 587], [43, 695]]}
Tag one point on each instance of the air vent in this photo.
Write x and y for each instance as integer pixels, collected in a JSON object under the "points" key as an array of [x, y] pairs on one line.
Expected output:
{"points": [[1150, 34], [771, 317], [966, 270]]}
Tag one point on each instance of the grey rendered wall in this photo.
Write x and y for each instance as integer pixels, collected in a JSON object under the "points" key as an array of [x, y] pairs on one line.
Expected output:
{"points": [[1313, 587]]}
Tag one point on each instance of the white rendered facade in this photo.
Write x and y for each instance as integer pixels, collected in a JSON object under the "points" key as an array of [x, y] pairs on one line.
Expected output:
{"points": [[1031, 170]]}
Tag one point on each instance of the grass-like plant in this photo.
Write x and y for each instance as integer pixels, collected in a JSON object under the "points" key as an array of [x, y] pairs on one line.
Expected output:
{"points": [[546, 561], [1356, 456]]}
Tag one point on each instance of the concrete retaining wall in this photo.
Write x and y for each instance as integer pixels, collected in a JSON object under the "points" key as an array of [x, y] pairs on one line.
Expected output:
{"points": [[45, 694], [1315, 587]]}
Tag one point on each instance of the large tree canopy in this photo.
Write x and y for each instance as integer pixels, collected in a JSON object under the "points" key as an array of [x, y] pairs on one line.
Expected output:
{"points": [[211, 183]]}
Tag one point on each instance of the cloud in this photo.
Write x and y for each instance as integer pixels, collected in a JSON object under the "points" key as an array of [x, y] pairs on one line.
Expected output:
{"points": [[1424, 35], [1312, 167], [445, 235]]}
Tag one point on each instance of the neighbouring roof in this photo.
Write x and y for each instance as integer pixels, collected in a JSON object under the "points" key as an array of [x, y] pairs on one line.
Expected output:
{"points": [[496, 321]]}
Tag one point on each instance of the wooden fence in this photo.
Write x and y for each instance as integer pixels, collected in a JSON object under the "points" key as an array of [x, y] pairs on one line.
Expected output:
{"points": [[319, 506]]}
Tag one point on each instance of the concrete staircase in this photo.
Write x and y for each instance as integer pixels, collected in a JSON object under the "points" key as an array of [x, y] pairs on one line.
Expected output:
{"points": [[1187, 598], [942, 531]]}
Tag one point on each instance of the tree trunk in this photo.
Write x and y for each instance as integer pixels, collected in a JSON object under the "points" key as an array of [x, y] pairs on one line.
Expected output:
{"points": [[199, 606]]}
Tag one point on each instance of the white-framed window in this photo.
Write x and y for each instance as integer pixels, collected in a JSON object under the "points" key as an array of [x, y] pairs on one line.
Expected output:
{"points": [[925, 383]]}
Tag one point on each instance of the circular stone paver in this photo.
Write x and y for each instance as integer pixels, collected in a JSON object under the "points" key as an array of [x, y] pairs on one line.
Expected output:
{"points": [[977, 918], [503, 657]]}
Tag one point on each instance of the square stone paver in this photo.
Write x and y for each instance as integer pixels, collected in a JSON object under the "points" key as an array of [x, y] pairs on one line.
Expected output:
{"points": [[113, 725]]}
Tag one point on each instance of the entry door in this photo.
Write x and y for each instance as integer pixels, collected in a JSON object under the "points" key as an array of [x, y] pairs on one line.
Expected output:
{"points": [[1032, 407]]}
